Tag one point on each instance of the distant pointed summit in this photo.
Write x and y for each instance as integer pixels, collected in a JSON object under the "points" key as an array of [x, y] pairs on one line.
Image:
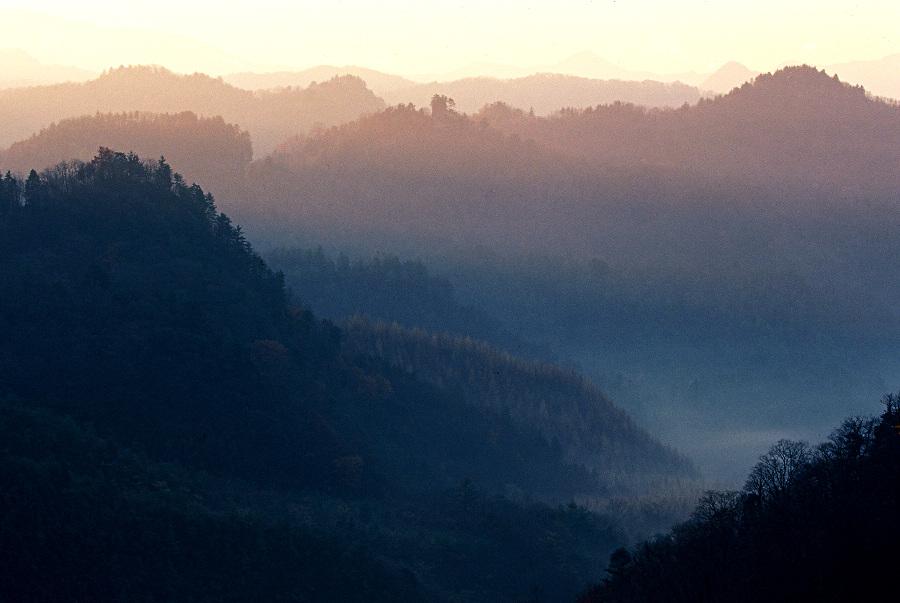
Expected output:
{"points": [[727, 77]]}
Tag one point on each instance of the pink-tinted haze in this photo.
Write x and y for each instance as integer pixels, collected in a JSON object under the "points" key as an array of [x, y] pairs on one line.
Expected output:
{"points": [[464, 37]]}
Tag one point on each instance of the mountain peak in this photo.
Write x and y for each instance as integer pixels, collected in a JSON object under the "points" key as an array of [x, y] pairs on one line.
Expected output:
{"points": [[727, 77], [799, 93], [798, 79]]}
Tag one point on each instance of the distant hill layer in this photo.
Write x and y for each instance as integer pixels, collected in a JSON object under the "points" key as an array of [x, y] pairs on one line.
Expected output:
{"points": [[728, 77], [879, 76], [563, 406], [21, 69], [204, 150], [378, 82], [796, 125], [547, 93], [270, 117], [510, 178]]}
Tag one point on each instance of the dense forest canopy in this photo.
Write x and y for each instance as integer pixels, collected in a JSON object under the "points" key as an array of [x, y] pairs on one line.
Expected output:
{"points": [[567, 409], [153, 361], [389, 289], [809, 524]]}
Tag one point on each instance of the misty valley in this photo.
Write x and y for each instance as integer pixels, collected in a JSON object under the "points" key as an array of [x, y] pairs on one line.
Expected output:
{"points": [[347, 335]]}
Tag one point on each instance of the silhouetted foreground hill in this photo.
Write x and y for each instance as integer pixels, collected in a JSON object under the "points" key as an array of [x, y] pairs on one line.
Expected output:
{"points": [[175, 430], [83, 518], [270, 117], [811, 524]]}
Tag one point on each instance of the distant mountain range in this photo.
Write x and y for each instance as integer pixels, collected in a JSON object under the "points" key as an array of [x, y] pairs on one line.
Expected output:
{"points": [[546, 93], [270, 116], [21, 69], [766, 216], [380, 83], [592, 80], [880, 76]]}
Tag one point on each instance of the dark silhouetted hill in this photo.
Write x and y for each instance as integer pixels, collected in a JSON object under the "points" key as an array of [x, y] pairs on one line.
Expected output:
{"points": [[563, 406], [810, 524], [157, 383]]}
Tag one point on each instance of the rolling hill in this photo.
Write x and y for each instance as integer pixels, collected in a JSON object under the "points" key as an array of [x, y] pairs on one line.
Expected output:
{"points": [[270, 117], [378, 82], [204, 150], [619, 233]]}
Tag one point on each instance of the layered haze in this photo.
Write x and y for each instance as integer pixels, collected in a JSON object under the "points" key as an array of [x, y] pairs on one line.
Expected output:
{"points": [[448, 301]]}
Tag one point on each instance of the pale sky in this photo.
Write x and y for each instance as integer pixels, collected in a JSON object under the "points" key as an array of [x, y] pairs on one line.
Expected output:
{"points": [[429, 37]]}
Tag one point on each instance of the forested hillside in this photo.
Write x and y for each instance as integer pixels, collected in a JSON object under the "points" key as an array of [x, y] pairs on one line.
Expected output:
{"points": [[564, 407], [389, 289], [270, 117], [795, 128], [715, 264], [810, 524], [794, 149], [449, 302], [156, 381]]}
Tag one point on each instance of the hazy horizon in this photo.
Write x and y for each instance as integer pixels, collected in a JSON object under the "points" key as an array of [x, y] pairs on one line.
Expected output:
{"points": [[429, 301], [421, 41]]}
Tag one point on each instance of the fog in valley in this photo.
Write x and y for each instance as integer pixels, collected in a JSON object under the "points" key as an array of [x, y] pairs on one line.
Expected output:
{"points": [[544, 317]]}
